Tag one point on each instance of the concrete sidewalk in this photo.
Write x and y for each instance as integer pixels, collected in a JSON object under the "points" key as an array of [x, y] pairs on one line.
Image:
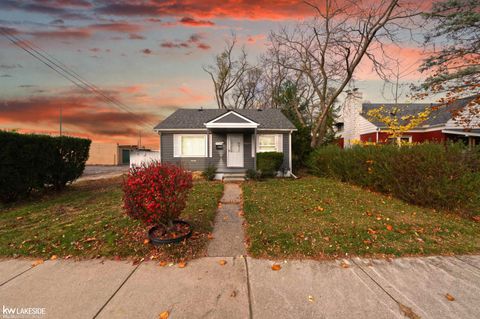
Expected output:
{"points": [[228, 237], [247, 288]]}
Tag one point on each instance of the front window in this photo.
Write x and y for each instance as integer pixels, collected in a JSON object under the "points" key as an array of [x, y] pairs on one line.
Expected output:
{"points": [[267, 143], [192, 145]]}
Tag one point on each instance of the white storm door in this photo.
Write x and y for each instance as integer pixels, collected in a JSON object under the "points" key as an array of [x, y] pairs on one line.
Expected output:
{"points": [[235, 150]]}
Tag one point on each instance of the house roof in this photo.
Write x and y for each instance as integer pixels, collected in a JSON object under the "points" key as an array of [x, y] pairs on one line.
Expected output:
{"points": [[439, 116], [196, 118]]}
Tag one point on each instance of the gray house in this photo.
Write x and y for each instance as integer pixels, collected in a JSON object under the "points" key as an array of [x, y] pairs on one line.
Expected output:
{"points": [[226, 139]]}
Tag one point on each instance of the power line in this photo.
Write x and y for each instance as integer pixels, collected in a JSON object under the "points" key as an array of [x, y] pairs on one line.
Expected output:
{"points": [[69, 74]]}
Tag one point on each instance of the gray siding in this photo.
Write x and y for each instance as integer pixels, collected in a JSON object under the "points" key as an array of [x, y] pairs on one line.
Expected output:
{"points": [[193, 163], [219, 157], [231, 118]]}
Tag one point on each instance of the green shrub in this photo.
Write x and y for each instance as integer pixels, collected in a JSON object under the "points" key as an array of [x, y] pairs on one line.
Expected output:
{"points": [[31, 162], [209, 172], [253, 174], [428, 174], [70, 156], [269, 163]]}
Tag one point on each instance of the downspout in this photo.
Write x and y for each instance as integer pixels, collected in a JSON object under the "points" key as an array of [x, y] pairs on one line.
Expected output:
{"points": [[376, 138], [255, 150], [290, 155]]}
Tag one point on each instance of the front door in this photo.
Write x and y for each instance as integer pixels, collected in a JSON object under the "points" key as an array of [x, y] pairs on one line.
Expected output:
{"points": [[235, 150]]}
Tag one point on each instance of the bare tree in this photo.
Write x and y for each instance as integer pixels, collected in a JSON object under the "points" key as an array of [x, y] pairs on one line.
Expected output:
{"points": [[226, 73], [328, 49], [247, 89]]}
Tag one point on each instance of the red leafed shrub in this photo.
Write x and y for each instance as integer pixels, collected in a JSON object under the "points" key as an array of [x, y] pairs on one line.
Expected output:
{"points": [[156, 193]]}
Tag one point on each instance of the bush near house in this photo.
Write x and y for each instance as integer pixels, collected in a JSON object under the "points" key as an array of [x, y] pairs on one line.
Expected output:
{"points": [[209, 173], [433, 175], [32, 162], [269, 163]]}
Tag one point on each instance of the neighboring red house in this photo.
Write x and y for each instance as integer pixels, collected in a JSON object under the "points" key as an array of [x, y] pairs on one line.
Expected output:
{"points": [[438, 128]]}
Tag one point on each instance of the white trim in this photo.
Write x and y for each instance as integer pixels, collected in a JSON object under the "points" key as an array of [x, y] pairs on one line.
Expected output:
{"points": [[180, 129], [230, 112], [278, 129], [177, 145], [460, 133], [231, 125]]}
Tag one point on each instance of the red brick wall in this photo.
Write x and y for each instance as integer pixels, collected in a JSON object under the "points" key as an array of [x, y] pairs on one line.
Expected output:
{"points": [[433, 136]]}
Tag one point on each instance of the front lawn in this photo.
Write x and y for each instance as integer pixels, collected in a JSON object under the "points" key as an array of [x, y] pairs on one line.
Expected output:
{"points": [[87, 221], [323, 218]]}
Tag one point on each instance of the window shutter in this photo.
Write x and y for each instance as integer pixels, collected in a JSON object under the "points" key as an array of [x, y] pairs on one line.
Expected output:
{"points": [[254, 144], [279, 141], [176, 145], [210, 146]]}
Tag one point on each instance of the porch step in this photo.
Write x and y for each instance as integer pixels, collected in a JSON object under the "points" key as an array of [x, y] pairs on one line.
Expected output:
{"points": [[234, 177]]}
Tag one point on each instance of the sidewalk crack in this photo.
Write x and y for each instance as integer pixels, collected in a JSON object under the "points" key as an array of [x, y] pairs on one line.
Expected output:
{"points": [[466, 262], [115, 292], [5, 282], [249, 290], [405, 310]]}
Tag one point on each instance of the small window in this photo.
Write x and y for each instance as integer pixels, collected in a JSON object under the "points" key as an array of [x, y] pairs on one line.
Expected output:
{"points": [[267, 143]]}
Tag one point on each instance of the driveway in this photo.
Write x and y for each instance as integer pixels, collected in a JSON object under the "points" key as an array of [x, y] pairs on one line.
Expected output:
{"points": [[247, 288], [94, 172]]}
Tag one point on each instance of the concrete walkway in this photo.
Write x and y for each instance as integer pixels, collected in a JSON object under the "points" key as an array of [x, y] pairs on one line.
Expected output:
{"points": [[246, 288], [228, 237]]}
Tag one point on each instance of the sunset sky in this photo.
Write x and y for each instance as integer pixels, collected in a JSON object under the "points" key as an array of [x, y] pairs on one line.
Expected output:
{"points": [[147, 54]]}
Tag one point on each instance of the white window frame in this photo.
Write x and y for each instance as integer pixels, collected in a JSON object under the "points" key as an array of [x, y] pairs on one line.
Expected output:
{"points": [[278, 143], [177, 145]]}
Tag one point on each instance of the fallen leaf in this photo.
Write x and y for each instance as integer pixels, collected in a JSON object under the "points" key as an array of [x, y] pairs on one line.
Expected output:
{"points": [[344, 264], [210, 236], [408, 312], [163, 263], [19, 218], [222, 262], [240, 213], [276, 267], [37, 262], [89, 239], [182, 264], [389, 227], [311, 299], [54, 257], [233, 294], [146, 241], [476, 218], [449, 297], [164, 315], [371, 231]]}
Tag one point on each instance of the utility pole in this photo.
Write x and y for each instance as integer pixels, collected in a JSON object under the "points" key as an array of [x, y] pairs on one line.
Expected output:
{"points": [[139, 138], [61, 109]]}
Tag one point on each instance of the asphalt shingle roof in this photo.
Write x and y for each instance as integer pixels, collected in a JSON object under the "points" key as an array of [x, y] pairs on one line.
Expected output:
{"points": [[439, 116], [195, 118]]}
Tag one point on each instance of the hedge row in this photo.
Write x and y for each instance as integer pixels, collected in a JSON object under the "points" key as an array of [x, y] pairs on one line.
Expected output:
{"points": [[32, 162], [433, 175]]}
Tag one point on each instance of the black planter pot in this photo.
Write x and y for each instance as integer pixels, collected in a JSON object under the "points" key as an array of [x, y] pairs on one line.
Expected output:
{"points": [[156, 241]]}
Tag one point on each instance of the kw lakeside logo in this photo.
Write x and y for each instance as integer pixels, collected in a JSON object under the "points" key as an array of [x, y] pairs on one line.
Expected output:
{"points": [[21, 312]]}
